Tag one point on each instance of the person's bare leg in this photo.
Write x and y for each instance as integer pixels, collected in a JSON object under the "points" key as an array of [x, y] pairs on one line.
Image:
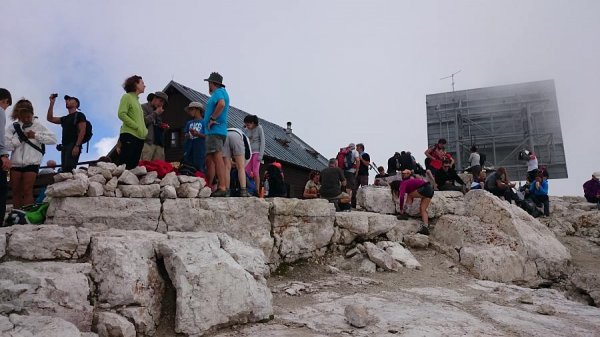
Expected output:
{"points": [[16, 188], [431, 179], [28, 180], [210, 170], [227, 163], [220, 170], [423, 210], [239, 162]]}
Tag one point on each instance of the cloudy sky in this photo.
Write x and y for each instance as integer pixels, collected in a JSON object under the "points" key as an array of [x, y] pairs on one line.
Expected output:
{"points": [[340, 71]]}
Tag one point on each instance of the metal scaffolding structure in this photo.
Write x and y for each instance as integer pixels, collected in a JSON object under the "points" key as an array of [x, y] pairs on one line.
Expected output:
{"points": [[500, 121]]}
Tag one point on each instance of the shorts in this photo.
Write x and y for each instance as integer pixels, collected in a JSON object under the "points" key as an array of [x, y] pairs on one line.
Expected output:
{"points": [[234, 145], [26, 169], [350, 180], [214, 143], [426, 190], [253, 166], [153, 152]]}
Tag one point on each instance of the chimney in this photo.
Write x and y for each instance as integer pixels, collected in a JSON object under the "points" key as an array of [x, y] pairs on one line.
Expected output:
{"points": [[288, 130]]}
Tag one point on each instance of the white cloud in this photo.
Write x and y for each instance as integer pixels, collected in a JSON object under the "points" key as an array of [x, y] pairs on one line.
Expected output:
{"points": [[104, 145]]}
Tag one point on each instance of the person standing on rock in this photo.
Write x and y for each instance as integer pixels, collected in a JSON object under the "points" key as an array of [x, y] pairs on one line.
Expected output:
{"points": [[194, 147], [133, 131], [362, 173], [5, 102], [255, 133], [154, 144], [73, 131], [414, 188], [215, 119]]}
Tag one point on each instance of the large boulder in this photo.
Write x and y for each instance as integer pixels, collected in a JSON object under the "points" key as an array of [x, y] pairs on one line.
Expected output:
{"points": [[376, 199], [245, 219], [367, 225], [36, 326], [110, 324], [443, 202], [55, 289], [68, 188], [129, 214], [212, 289], [501, 242], [126, 273], [302, 228], [47, 242]]}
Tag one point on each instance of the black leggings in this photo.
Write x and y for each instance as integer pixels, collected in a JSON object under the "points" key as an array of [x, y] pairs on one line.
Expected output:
{"points": [[131, 150]]}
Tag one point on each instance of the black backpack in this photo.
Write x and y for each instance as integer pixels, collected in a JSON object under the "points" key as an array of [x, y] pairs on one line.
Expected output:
{"points": [[88, 132]]}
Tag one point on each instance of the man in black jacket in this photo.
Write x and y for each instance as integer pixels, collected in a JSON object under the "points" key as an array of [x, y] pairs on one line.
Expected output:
{"points": [[447, 177]]}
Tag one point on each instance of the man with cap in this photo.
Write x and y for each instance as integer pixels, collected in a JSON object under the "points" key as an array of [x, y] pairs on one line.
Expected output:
{"points": [[73, 131], [215, 119], [154, 144], [5, 102], [591, 189]]}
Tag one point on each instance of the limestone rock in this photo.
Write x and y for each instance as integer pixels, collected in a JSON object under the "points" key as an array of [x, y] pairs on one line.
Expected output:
{"points": [[113, 325], [110, 194], [358, 316], [118, 193], [417, 240], [2, 245], [245, 219], [149, 178], [47, 242], [403, 228], [128, 178], [140, 191], [62, 176], [376, 199], [97, 170], [141, 318], [402, 255], [367, 266], [367, 225], [68, 188], [381, 258], [98, 178], [109, 166], [443, 202], [39, 326], [55, 289], [130, 214], [250, 258], [126, 272], [168, 192], [203, 275], [191, 179], [204, 192], [588, 283], [118, 170], [188, 190], [139, 170], [95, 189], [111, 185], [304, 226], [170, 179]]}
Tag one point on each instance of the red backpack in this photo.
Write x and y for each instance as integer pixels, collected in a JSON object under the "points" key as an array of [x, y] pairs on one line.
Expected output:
{"points": [[344, 158]]}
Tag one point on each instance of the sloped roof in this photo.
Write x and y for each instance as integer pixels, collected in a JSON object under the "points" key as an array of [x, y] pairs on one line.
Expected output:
{"points": [[279, 144]]}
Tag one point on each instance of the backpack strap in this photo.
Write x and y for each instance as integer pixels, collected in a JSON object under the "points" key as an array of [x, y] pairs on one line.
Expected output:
{"points": [[24, 138]]}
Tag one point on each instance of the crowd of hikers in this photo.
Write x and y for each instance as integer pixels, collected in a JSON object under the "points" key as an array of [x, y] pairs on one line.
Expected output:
{"points": [[230, 158]]}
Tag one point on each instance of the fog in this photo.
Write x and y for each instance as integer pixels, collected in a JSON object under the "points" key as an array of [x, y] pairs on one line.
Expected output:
{"points": [[340, 71]]}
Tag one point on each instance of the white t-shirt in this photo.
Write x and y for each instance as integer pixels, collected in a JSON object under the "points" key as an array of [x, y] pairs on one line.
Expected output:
{"points": [[355, 155], [532, 164], [474, 159]]}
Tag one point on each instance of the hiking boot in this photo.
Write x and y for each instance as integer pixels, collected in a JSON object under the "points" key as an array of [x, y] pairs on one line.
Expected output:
{"points": [[423, 230], [244, 193], [402, 217], [218, 194]]}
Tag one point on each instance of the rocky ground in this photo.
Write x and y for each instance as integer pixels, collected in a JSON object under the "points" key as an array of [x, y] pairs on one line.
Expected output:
{"points": [[142, 256]]}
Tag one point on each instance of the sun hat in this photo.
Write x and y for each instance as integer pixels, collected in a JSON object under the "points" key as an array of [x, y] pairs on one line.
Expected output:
{"points": [[158, 94], [194, 105], [215, 78]]}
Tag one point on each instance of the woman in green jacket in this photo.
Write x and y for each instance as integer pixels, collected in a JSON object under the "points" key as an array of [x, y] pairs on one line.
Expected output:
{"points": [[133, 131]]}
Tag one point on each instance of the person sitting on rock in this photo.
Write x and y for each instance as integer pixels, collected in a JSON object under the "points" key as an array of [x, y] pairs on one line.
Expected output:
{"points": [[332, 184], [479, 182], [499, 185], [538, 191], [591, 189], [447, 177], [414, 188], [312, 187], [380, 177]]}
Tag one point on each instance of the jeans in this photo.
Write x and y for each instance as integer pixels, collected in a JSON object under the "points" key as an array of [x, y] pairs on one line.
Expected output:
{"points": [[3, 195], [67, 160], [542, 199]]}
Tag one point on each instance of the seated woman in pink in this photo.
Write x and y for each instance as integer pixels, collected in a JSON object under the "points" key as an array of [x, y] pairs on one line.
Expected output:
{"points": [[414, 188]]}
